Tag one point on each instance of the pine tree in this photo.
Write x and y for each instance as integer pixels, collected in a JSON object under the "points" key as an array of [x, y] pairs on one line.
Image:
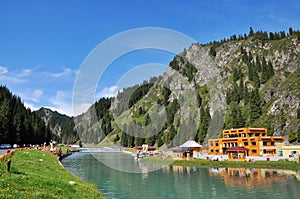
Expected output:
{"points": [[228, 96], [166, 93], [290, 31], [264, 71], [237, 118], [212, 51], [236, 95], [271, 36], [130, 141], [204, 123], [199, 99], [255, 109], [124, 139], [258, 64], [251, 32], [270, 69], [241, 89], [292, 137], [246, 94], [298, 134], [255, 77]]}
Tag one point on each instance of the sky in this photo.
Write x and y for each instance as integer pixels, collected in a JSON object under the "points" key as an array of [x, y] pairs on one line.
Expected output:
{"points": [[44, 43]]}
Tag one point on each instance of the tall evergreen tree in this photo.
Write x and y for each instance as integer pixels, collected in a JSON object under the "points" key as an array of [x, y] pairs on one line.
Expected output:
{"points": [[290, 31], [258, 64], [270, 69], [264, 71], [255, 109], [251, 32], [124, 139], [204, 124], [241, 89]]}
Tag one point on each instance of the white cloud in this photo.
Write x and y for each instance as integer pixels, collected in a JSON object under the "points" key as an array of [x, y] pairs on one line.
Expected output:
{"points": [[65, 72], [14, 76], [3, 70], [37, 94], [108, 92], [81, 108], [34, 96], [30, 106], [24, 72], [61, 103]]}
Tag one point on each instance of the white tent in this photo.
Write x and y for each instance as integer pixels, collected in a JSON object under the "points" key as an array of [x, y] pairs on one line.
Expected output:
{"points": [[189, 149], [190, 144]]}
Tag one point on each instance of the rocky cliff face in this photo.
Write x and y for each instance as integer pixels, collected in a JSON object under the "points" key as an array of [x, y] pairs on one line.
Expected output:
{"points": [[253, 81], [62, 126], [213, 77]]}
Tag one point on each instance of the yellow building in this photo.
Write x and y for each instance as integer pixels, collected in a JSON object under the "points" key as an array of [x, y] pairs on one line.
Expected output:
{"points": [[255, 142]]}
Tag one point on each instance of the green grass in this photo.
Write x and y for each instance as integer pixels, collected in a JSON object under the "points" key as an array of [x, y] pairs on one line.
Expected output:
{"points": [[38, 174], [229, 164]]}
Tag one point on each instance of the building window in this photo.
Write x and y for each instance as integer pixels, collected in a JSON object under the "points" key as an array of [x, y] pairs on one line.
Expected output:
{"points": [[265, 143], [217, 144], [253, 151], [272, 143], [256, 134], [245, 143], [253, 143], [212, 151], [217, 151]]}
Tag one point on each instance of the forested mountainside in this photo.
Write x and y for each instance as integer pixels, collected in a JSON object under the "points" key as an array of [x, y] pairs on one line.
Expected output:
{"points": [[249, 80], [61, 126], [19, 125]]}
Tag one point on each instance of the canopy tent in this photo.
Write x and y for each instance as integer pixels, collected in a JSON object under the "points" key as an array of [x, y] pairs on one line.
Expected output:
{"points": [[188, 149], [190, 144]]}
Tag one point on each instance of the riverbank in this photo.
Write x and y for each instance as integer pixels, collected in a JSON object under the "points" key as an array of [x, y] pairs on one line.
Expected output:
{"points": [[38, 174], [221, 164]]}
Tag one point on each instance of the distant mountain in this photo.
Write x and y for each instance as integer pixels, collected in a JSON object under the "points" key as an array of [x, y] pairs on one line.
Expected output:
{"points": [[61, 126], [18, 124]]}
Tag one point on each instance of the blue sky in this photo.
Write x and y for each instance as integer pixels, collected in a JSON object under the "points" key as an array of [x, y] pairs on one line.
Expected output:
{"points": [[43, 43]]}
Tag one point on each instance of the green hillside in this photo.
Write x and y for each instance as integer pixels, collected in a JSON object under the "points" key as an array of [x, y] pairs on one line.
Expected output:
{"points": [[249, 80]]}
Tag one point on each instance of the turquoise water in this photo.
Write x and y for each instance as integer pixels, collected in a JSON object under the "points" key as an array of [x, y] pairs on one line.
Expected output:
{"points": [[177, 181]]}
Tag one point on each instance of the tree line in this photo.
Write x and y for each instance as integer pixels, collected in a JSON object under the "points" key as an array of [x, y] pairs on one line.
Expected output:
{"points": [[260, 35], [19, 125]]}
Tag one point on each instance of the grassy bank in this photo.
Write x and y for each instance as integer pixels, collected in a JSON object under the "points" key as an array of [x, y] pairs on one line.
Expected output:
{"points": [[38, 174], [229, 164]]}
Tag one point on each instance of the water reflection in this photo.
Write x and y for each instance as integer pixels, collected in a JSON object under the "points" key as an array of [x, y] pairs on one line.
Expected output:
{"points": [[249, 178], [183, 182], [126, 163]]}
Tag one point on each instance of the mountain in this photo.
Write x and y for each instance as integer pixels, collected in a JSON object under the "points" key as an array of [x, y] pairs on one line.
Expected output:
{"points": [[246, 80], [19, 125], [61, 126]]}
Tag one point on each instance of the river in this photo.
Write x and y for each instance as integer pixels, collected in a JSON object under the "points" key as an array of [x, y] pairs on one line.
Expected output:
{"points": [[118, 176]]}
